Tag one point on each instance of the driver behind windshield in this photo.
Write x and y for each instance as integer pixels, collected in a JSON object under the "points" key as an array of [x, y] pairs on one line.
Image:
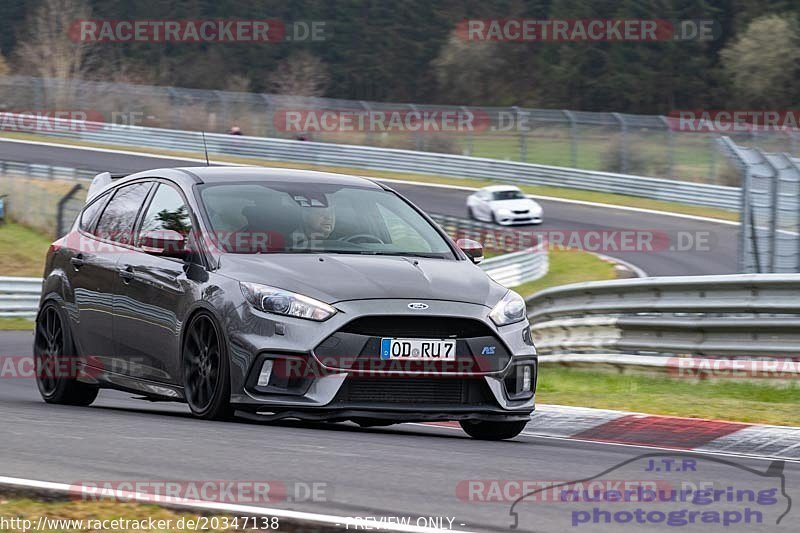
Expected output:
{"points": [[317, 225]]}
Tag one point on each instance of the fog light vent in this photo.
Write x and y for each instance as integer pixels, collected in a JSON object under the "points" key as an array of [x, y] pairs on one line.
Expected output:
{"points": [[526, 379], [266, 372]]}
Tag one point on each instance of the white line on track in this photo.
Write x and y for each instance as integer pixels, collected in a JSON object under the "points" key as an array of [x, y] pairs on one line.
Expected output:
{"points": [[300, 516], [408, 182]]}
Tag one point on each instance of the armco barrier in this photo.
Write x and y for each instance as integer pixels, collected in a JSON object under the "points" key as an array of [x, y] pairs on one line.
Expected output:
{"points": [[363, 157], [19, 297], [741, 315]]}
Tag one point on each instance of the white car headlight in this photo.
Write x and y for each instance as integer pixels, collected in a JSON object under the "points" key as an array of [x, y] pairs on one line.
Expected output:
{"points": [[504, 211], [508, 310], [281, 302]]}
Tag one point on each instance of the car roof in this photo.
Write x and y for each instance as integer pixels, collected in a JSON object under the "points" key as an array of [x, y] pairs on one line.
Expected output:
{"points": [[221, 174], [498, 188]]}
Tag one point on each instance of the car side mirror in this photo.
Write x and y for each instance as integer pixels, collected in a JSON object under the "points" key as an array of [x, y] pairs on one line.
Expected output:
{"points": [[473, 249], [164, 243]]}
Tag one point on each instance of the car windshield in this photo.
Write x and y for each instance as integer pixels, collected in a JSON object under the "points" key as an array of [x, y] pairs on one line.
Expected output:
{"points": [[507, 195], [290, 217]]}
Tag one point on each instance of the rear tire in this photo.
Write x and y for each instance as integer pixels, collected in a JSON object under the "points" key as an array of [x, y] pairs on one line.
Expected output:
{"points": [[54, 355], [471, 213], [487, 430], [206, 370]]}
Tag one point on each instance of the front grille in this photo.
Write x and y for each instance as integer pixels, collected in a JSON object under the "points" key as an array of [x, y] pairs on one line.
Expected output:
{"points": [[414, 391], [418, 327], [522, 212]]}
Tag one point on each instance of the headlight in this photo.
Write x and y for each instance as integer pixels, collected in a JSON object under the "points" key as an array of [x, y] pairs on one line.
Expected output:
{"points": [[504, 211], [281, 302], [508, 310]]}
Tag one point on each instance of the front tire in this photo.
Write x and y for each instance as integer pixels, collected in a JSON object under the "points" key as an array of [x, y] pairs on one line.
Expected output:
{"points": [[206, 370], [54, 356], [487, 430]]}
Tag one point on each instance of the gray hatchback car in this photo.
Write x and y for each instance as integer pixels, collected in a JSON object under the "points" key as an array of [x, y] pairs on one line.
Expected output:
{"points": [[283, 293]]}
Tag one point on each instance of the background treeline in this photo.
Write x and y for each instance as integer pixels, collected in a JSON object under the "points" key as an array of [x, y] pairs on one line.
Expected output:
{"points": [[405, 50]]}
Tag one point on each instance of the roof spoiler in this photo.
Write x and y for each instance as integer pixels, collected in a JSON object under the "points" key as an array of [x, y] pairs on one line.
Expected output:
{"points": [[101, 181]]}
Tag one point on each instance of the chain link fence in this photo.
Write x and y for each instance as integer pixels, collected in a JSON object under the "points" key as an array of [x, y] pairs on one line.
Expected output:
{"points": [[646, 145]]}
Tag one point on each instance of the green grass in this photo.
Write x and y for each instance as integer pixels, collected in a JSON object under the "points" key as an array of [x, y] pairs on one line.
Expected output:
{"points": [[723, 400], [569, 266], [16, 324], [558, 192], [22, 251]]}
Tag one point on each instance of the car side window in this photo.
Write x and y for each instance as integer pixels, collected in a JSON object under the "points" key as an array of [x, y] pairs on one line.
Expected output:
{"points": [[117, 221], [167, 211], [90, 213]]}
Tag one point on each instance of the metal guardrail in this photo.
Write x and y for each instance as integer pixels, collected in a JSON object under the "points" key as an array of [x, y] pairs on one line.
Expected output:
{"points": [[741, 315], [19, 297], [514, 267], [370, 158], [517, 268]]}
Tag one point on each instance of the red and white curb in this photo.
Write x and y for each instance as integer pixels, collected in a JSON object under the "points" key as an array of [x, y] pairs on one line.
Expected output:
{"points": [[668, 432]]}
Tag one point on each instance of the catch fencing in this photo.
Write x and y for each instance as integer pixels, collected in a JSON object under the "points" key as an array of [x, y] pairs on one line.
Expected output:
{"points": [[608, 142], [769, 236]]}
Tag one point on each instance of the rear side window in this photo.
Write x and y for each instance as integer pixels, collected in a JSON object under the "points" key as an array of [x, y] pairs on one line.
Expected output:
{"points": [[90, 213], [117, 221]]}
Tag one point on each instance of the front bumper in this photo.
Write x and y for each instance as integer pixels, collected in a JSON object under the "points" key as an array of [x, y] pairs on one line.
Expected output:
{"points": [[331, 371], [515, 219]]}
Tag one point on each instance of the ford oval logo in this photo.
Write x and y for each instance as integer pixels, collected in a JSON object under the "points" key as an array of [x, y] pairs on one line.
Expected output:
{"points": [[417, 305]]}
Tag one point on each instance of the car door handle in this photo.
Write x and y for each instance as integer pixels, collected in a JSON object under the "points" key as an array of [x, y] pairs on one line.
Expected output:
{"points": [[127, 273], [77, 261]]}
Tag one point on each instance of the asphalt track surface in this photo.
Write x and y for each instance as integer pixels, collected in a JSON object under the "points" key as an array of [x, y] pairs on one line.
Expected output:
{"points": [[708, 247], [406, 470]]}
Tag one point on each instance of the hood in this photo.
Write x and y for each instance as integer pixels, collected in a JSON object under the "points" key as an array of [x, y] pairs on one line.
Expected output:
{"points": [[338, 277], [516, 204]]}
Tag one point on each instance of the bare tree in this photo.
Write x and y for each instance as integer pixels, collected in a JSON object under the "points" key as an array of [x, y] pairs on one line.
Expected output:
{"points": [[301, 74], [48, 47]]}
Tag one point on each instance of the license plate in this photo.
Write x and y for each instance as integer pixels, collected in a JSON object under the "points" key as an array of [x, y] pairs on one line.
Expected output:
{"points": [[418, 349]]}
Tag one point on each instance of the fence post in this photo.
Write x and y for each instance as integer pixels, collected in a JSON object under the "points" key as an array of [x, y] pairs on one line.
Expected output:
{"points": [[60, 222], [573, 140], [623, 144], [523, 138], [670, 148]]}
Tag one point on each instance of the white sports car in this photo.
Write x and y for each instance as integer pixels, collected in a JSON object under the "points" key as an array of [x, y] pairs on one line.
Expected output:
{"points": [[504, 205]]}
